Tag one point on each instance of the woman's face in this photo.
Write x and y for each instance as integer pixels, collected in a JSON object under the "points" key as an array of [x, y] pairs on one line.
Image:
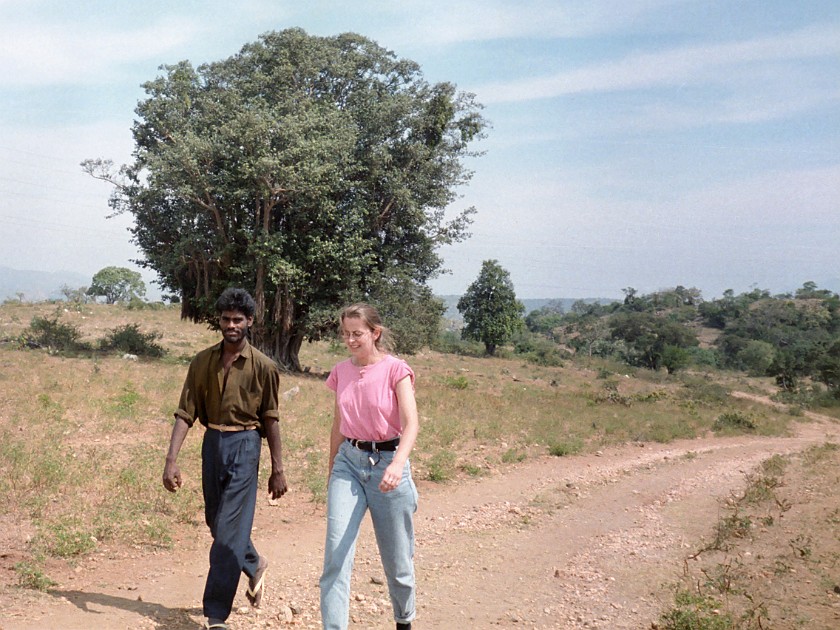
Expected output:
{"points": [[358, 337]]}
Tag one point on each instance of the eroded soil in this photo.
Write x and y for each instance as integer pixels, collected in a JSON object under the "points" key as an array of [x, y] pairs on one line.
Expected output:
{"points": [[590, 541]]}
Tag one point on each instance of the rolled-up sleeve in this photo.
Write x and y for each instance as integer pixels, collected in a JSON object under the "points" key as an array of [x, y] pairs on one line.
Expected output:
{"points": [[270, 403], [187, 407]]}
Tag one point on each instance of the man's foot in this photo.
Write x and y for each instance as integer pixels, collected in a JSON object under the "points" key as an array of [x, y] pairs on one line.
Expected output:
{"points": [[216, 624], [403, 626], [256, 585]]}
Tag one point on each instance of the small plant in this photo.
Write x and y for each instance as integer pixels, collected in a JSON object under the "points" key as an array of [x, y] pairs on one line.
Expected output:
{"points": [[604, 373], [457, 382], [695, 612], [126, 401], [801, 546], [733, 421], [472, 470], [561, 449], [30, 575], [440, 466], [315, 476], [513, 456], [66, 539]]}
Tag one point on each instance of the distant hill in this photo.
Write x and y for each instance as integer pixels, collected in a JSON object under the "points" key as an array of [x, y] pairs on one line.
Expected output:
{"points": [[37, 286], [531, 304]]}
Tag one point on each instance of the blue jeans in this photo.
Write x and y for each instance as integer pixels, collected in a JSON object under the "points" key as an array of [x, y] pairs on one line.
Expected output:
{"points": [[353, 490], [229, 474]]}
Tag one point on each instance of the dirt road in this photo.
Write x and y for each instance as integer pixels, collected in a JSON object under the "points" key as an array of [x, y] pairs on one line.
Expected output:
{"points": [[570, 542]]}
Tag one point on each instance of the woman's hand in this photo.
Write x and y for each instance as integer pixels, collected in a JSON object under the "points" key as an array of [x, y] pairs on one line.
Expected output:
{"points": [[392, 476]]}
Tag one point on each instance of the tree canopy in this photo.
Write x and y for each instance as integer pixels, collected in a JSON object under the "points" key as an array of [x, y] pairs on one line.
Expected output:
{"points": [[117, 284], [492, 314], [310, 170]]}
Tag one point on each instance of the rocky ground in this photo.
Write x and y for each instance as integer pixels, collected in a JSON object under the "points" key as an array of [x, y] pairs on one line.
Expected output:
{"points": [[590, 541]]}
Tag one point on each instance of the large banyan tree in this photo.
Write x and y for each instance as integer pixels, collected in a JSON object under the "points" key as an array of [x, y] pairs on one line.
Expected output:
{"points": [[309, 170]]}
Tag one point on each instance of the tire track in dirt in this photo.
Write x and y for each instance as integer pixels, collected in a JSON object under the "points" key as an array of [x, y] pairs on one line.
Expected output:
{"points": [[572, 542]]}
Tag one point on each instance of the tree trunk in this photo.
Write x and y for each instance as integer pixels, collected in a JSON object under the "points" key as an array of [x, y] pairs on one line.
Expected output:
{"points": [[281, 340], [287, 350]]}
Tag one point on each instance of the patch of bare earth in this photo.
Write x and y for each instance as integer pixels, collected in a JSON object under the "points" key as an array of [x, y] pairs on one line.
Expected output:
{"points": [[590, 541]]}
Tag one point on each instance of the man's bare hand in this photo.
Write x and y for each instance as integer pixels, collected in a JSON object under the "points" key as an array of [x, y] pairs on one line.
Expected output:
{"points": [[171, 476], [277, 484]]}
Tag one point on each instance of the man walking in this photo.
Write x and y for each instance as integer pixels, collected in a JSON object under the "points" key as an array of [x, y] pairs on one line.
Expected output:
{"points": [[232, 389]]}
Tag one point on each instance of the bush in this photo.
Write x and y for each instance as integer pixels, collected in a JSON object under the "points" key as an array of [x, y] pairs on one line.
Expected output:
{"points": [[44, 332], [539, 350], [733, 420], [450, 342], [128, 338]]}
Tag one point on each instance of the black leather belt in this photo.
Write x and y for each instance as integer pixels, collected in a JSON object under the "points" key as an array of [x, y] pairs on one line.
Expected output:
{"points": [[372, 447]]}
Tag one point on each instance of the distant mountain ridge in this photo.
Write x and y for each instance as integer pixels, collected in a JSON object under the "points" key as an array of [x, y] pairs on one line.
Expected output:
{"points": [[530, 304], [37, 286]]}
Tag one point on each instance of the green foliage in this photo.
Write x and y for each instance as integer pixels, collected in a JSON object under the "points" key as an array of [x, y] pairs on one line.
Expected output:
{"points": [[648, 338], [568, 447], [309, 170], [66, 538], [410, 310], [449, 342], [128, 338], [695, 612], [75, 297], [734, 421], [786, 338], [457, 382], [546, 319], [55, 336], [674, 358], [441, 466], [31, 575], [117, 284], [492, 314], [514, 456], [538, 349], [315, 476]]}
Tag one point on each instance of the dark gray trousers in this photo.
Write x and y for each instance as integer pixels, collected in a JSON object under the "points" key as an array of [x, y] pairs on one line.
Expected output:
{"points": [[229, 472]]}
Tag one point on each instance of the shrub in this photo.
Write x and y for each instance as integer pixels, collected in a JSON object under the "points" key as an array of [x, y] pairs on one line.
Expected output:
{"points": [[44, 332], [128, 338], [538, 350], [441, 466], [733, 420], [695, 612], [457, 382], [561, 449]]}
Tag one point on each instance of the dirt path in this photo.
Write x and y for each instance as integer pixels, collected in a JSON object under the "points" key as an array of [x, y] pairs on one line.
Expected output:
{"points": [[571, 542]]}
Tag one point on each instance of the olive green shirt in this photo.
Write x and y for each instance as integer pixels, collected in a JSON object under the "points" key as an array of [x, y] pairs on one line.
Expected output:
{"points": [[249, 397]]}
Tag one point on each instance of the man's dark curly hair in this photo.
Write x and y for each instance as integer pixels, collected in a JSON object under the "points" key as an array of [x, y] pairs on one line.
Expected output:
{"points": [[233, 299]]}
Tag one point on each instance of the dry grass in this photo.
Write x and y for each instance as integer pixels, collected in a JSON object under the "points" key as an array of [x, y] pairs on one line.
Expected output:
{"points": [[82, 438]]}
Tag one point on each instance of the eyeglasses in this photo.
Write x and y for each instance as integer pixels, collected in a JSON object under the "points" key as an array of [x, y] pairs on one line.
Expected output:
{"points": [[354, 335]]}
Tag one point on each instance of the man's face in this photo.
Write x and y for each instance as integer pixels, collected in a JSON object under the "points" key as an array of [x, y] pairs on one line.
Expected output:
{"points": [[234, 326]]}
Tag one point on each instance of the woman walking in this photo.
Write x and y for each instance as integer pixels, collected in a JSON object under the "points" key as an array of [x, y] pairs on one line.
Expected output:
{"points": [[374, 429]]}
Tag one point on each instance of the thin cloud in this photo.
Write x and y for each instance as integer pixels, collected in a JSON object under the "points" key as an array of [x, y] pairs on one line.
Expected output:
{"points": [[56, 55], [448, 23], [685, 66]]}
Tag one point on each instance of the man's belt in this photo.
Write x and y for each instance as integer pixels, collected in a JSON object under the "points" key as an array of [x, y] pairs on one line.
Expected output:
{"points": [[229, 427]]}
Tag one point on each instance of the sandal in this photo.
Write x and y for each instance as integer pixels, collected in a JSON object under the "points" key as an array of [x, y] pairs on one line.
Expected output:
{"points": [[255, 590]]}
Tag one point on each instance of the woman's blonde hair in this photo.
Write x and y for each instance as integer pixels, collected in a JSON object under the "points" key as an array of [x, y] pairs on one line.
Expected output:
{"points": [[370, 316]]}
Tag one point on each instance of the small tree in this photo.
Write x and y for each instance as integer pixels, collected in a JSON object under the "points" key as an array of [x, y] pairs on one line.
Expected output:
{"points": [[492, 314], [117, 284]]}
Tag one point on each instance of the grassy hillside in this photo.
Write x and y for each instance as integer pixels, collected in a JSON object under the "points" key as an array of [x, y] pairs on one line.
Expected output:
{"points": [[82, 438]]}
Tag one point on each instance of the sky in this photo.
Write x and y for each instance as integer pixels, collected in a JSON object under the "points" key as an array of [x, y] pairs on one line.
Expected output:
{"points": [[633, 143]]}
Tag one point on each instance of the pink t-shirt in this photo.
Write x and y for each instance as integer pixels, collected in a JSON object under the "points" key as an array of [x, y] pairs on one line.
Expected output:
{"points": [[367, 399]]}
